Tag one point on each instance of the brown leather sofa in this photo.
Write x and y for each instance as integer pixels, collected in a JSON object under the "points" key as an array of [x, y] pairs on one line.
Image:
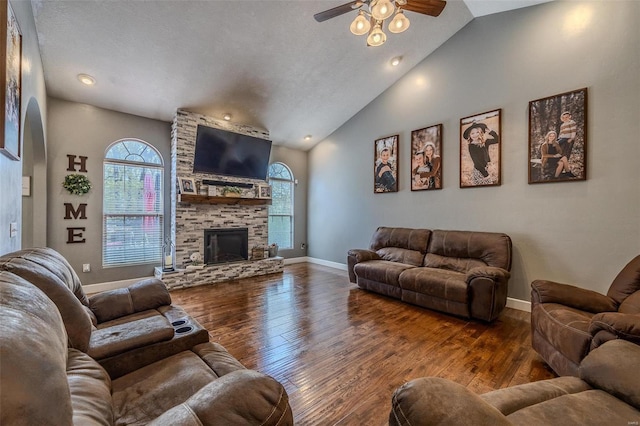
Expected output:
{"points": [[607, 393], [462, 273], [123, 329], [568, 321], [45, 381]]}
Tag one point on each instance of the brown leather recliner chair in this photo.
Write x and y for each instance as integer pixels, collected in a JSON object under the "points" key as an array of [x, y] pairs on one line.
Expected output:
{"points": [[567, 322]]}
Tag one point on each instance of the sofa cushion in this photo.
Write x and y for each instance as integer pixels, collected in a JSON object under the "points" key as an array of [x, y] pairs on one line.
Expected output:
{"points": [[401, 255], [463, 250], [631, 304], [146, 294], [130, 332], [440, 283], [407, 238], [90, 388], [145, 394], [626, 282], [382, 271], [592, 407], [565, 328]]}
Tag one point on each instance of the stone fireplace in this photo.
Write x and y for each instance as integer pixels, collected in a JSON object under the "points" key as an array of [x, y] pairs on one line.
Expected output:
{"points": [[189, 219]]}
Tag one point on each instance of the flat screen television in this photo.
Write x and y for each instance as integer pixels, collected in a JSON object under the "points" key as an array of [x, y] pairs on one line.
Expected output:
{"points": [[221, 152]]}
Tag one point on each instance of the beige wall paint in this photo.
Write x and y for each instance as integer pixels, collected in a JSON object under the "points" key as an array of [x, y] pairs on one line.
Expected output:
{"points": [[579, 232]]}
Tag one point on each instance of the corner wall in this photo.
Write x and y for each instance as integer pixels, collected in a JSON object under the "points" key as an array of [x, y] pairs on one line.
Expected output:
{"points": [[577, 232]]}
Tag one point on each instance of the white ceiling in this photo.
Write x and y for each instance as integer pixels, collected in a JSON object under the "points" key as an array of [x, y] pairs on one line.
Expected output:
{"points": [[267, 62]]}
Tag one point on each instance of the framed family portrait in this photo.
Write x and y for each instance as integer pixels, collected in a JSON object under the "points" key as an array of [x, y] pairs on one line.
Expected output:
{"points": [[264, 191], [426, 158], [11, 82], [480, 149], [558, 138], [385, 165], [187, 186]]}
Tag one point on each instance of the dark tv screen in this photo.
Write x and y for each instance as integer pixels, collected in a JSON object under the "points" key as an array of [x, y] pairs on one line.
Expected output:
{"points": [[221, 152]]}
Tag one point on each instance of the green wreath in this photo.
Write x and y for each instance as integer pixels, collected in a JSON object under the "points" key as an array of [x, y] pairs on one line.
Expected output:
{"points": [[76, 184]]}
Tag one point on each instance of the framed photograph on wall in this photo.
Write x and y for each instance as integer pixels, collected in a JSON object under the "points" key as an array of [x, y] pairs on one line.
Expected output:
{"points": [[187, 186], [264, 191], [11, 82], [558, 138], [480, 149], [426, 158], [385, 165]]}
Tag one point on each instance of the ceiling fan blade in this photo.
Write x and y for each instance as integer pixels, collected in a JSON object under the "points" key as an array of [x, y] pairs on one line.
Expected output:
{"points": [[426, 7], [337, 11]]}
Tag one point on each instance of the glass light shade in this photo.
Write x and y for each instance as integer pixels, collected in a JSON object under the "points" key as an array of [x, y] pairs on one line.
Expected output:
{"points": [[360, 25], [168, 255], [381, 9], [376, 37], [399, 23]]}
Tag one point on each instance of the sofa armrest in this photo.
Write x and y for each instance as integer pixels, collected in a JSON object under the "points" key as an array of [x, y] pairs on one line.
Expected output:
{"points": [[147, 294], [614, 325], [613, 368], [543, 291], [239, 398], [436, 401], [488, 288], [355, 256]]}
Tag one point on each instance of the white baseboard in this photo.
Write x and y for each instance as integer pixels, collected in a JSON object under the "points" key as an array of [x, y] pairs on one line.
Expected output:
{"points": [[296, 260], [328, 263], [521, 305]]}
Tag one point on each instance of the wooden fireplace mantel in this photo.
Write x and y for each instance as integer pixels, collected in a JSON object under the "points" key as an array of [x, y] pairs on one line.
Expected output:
{"points": [[205, 199]]}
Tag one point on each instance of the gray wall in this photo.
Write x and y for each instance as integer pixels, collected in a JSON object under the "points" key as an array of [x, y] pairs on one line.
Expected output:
{"points": [[580, 232], [297, 162], [79, 129], [33, 115]]}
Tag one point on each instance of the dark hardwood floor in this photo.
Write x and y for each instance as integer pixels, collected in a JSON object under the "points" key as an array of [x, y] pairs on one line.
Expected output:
{"points": [[341, 351]]}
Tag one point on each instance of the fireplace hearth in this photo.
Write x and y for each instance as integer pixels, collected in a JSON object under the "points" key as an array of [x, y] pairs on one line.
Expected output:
{"points": [[225, 245]]}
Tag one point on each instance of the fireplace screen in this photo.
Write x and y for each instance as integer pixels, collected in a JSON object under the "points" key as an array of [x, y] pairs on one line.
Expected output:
{"points": [[225, 245]]}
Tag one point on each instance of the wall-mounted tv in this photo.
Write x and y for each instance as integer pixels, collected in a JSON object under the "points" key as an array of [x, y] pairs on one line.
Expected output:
{"points": [[221, 152]]}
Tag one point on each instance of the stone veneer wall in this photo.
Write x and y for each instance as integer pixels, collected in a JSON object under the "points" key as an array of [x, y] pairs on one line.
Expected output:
{"points": [[188, 221]]}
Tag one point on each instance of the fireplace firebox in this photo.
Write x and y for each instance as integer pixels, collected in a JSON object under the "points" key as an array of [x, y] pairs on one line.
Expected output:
{"points": [[225, 245]]}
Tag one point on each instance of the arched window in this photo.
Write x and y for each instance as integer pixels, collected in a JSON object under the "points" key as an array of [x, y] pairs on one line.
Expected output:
{"points": [[132, 208], [281, 208]]}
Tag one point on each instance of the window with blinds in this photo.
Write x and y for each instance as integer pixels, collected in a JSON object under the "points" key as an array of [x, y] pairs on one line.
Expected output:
{"points": [[281, 208], [132, 208]]}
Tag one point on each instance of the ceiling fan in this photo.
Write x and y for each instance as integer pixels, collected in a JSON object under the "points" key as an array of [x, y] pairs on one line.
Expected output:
{"points": [[371, 18]]}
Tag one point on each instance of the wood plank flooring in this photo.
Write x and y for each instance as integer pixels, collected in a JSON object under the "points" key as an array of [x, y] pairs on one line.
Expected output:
{"points": [[341, 351]]}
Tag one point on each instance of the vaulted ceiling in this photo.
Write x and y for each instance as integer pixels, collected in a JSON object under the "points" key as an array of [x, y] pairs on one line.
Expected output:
{"points": [[267, 63]]}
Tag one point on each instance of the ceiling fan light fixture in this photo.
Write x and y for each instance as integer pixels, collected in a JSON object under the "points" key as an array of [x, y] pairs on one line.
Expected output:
{"points": [[376, 36], [360, 25], [399, 23], [381, 9]]}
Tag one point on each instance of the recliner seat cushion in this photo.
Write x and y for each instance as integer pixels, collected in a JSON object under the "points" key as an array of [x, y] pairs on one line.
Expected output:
{"points": [[441, 283], [90, 388], [565, 328], [400, 255], [382, 271], [130, 332]]}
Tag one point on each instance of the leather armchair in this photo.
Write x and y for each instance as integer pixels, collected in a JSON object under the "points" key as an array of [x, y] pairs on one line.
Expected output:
{"points": [[567, 322], [605, 394]]}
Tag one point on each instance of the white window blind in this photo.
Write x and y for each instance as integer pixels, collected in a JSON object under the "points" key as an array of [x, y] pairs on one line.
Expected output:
{"points": [[133, 219], [281, 208]]}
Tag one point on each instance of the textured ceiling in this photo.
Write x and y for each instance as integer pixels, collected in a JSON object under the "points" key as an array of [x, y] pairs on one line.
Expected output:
{"points": [[268, 63]]}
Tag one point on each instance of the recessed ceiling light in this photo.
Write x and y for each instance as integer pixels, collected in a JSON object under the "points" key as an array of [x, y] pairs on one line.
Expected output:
{"points": [[307, 138], [396, 61], [86, 79], [227, 116]]}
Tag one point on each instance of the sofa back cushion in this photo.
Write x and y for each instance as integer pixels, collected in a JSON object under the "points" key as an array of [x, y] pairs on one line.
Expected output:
{"points": [[461, 251], [403, 245], [33, 379], [50, 272], [627, 282]]}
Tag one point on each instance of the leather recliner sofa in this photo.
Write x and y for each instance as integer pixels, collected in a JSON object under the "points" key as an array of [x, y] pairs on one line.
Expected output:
{"points": [[462, 273], [568, 321], [607, 393], [123, 329], [45, 381]]}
